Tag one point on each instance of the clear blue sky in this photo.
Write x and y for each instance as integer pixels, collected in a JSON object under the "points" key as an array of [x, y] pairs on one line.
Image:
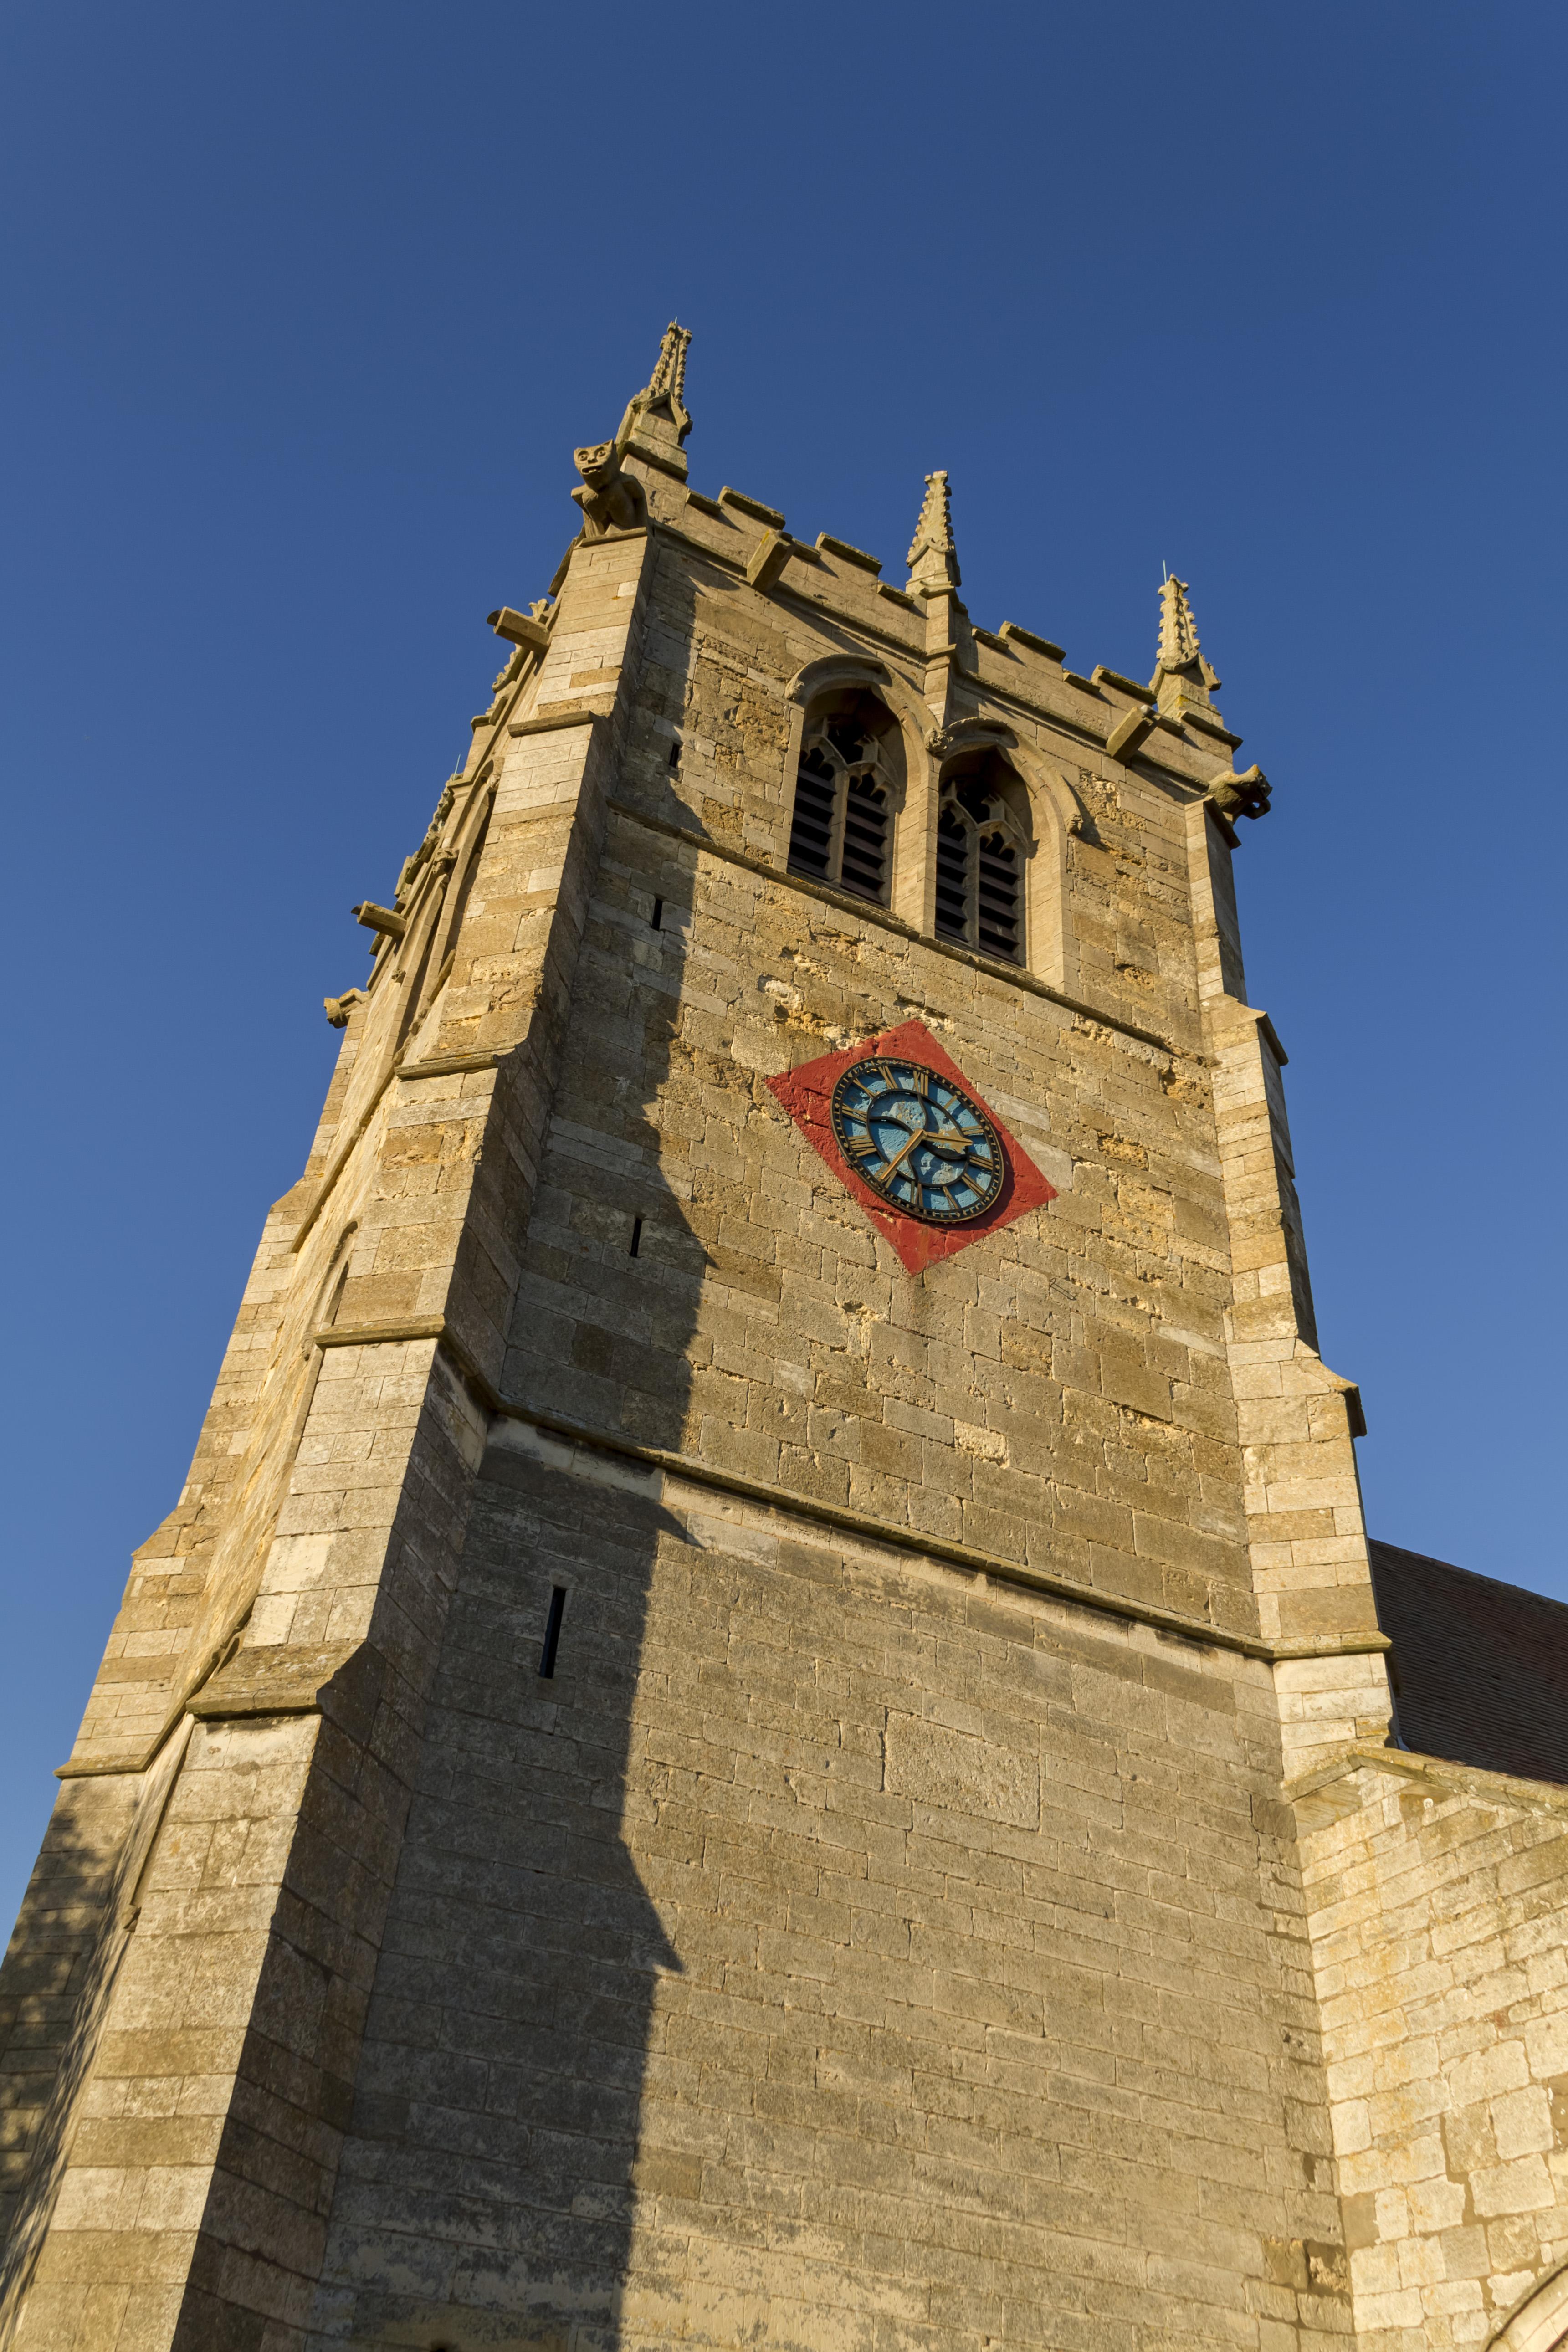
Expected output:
{"points": [[308, 306]]}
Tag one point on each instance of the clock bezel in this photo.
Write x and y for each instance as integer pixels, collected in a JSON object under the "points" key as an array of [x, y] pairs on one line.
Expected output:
{"points": [[944, 1221]]}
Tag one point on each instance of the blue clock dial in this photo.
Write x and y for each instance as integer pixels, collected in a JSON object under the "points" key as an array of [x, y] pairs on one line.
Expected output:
{"points": [[917, 1140]]}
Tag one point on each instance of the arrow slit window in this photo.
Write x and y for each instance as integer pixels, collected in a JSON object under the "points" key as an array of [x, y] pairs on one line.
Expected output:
{"points": [[847, 792], [982, 845]]}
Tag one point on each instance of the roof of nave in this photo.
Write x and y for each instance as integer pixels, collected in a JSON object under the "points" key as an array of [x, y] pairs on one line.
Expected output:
{"points": [[1479, 1668]]}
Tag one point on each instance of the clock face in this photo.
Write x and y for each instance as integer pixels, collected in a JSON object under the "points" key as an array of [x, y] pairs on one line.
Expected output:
{"points": [[918, 1139]]}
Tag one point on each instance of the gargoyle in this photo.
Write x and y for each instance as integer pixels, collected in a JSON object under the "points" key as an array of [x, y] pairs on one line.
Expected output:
{"points": [[1243, 795], [610, 499]]}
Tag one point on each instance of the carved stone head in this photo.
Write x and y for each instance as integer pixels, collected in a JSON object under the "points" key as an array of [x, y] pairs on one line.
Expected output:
{"points": [[595, 464], [1243, 796]]}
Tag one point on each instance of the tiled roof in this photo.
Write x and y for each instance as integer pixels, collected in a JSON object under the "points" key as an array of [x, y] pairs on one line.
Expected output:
{"points": [[1479, 1669]]}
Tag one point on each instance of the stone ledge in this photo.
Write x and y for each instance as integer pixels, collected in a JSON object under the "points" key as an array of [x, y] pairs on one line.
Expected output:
{"points": [[752, 508], [115, 1765], [370, 1335], [290, 1679], [1102, 677], [989, 1565], [343, 1680], [413, 1327], [447, 1066], [847, 553], [555, 717], [1435, 1774], [1012, 634]]}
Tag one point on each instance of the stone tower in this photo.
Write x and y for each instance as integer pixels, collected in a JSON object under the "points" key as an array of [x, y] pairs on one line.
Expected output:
{"points": [[702, 1760]]}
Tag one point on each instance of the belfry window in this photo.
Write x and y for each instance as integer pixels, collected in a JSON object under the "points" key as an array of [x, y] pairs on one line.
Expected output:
{"points": [[844, 794], [980, 852]]}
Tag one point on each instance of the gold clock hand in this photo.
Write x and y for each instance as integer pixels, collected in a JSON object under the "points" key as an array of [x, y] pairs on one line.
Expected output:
{"points": [[966, 1143], [920, 1135]]}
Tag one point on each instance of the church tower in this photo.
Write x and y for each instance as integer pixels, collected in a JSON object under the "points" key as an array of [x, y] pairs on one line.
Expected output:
{"points": [[702, 1758]]}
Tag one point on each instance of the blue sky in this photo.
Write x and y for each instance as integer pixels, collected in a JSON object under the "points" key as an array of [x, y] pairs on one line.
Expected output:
{"points": [[308, 308]]}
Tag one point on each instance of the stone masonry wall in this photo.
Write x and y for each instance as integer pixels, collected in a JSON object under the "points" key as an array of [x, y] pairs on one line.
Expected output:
{"points": [[834, 1952], [849, 1944], [1061, 1393], [838, 1948], [1438, 1900], [1056, 1395]]}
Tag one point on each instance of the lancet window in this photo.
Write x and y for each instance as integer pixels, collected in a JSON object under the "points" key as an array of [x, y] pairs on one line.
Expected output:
{"points": [[981, 846], [844, 795]]}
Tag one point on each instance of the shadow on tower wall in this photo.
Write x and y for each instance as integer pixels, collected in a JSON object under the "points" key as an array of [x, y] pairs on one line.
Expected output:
{"points": [[486, 2191]]}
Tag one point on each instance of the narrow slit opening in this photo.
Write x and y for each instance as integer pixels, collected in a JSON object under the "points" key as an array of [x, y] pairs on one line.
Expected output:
{"points": [[635, 1244], [655, 920], [553, 1632]]}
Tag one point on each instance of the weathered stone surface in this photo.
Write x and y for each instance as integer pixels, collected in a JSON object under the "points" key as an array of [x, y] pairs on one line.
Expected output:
{"points": [[886, 1923], [1437, 1902]]}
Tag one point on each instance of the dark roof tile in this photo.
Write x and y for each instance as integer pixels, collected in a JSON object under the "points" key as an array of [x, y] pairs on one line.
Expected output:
{"points": [[1479, 1669]]}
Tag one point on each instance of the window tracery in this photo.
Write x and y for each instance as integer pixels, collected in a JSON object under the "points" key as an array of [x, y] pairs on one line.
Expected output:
{"points": [[981, 846], [841, 832]]}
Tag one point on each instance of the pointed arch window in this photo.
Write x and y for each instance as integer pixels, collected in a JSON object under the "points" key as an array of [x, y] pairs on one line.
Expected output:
{"points": [[981, 846], [845, 797]]}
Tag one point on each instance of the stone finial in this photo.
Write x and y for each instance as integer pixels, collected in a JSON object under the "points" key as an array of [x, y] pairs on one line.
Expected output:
{"points": [[1181, 673], [660, 415], [932, 557], [667, 381], [1178, 630]]}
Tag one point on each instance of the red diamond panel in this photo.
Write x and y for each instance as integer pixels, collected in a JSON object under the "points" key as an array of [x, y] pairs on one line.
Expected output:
{"points": [[807, 1095]]}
